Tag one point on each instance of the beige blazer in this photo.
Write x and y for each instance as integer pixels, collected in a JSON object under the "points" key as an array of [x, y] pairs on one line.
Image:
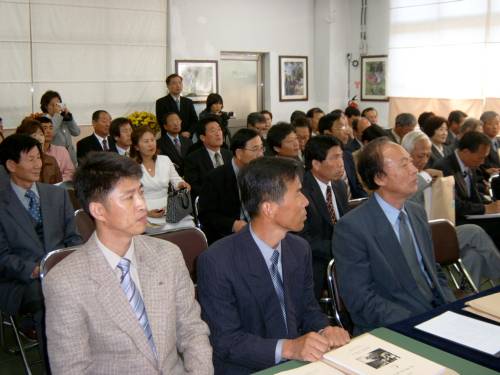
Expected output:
{"points": [[91, 328]]}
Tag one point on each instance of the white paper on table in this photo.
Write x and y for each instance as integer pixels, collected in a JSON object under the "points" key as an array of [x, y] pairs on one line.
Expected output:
{"points": [[315, 368], [465, 331]]}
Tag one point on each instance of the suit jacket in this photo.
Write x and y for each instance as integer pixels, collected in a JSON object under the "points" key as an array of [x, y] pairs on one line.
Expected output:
{"points": [[187, 113], [240, 304], [374, 279], [318, 227], [166, 147], [357, 190], [198, 164], [4, 177], [92, 329], [389, 134], [492, 160], [464, 205], [20, 247], [437, 156], [353, 145], [91, 143], [219, 204]]}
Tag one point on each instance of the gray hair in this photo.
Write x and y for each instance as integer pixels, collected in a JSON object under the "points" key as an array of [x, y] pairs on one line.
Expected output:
{"points": [[471, 124], [405, 119], [410, 139], [488, 116]]}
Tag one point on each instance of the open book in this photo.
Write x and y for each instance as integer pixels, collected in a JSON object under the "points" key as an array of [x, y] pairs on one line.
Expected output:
{"points": [[487, 307], [369, 355]]}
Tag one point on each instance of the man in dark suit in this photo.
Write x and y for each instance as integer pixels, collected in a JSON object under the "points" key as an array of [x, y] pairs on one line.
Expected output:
{"points": [[404, 123], [220, 209], [455, 121], [386, 271], [172, 144], [100, 140], [36, 218], [358, 126], [334, 125], [255, 286], [174, 102], [199, 163], [327, 198], [491, 126]]}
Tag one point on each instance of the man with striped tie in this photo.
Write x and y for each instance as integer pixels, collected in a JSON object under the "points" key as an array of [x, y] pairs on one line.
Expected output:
{"points": [[123, 303], [256, 286]]}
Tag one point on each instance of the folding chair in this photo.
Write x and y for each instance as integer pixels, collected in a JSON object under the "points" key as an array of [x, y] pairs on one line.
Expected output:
{"points": [[52, 258], [191, 241], [447, 251], [353, 203], [84, 224], [340, 313], [74, 200]]}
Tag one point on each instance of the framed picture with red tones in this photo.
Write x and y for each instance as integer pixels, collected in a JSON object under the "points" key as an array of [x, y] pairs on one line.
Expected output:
{"points": [[374, 78]]}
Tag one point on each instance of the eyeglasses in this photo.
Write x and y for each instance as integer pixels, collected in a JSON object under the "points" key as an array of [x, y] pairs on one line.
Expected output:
{"points": [[255, 149]]}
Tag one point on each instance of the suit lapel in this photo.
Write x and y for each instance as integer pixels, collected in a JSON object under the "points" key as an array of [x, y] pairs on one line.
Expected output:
{"points": [[20, 215], [206, 161], [459, 178], [317, 197], [289, 266], [256, 274], [47, 209], [113, 300]]}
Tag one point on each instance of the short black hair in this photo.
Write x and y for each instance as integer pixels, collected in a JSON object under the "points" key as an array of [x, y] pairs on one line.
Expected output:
{"points": [[423, 117], [213, 98], [265, 111], [302, 122], [96, 114], [203, 122], [98, 174], [14, 145], [351, 111], [46, 98], [472, 140], [456, 116], [117, 124], [371, 162], [171, 77], [241, 137], [312, 111], [29, 126], [326, 122], [296, 114], [255, 118], [337, 112], [317, 149], [404, 120], [366, 110], [276, 135], [265, 179], [372, 132], [432, 124]]}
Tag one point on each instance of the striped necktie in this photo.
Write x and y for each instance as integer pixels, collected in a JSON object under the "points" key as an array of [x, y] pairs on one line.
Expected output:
{"points": [[105, 146], [278, 284], [218, 160], [329, 204], [136, 303]]}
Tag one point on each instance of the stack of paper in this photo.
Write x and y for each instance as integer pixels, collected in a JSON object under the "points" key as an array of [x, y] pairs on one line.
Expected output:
{"points": [[369, 355], [465, 331], [487, 307]]}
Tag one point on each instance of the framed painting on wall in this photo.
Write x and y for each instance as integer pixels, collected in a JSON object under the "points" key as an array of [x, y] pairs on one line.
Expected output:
{"points": [[199, 78], [293, 78], [374, 78]]}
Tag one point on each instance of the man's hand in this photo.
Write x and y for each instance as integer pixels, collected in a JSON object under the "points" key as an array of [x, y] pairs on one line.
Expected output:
{"points": [[309, 347], [434, 173], [239, 225], [492, 208], [35, 274], [336, 336], [183, 185], [186, 134], [491, 171]]}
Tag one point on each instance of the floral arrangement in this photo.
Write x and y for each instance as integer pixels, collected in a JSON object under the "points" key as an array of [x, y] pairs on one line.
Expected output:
{"points": [[139, 119]]}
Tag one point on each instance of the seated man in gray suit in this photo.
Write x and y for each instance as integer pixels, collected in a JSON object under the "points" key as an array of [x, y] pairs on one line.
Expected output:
{"points": [[35, 218], [122, 303], [386, 270]]}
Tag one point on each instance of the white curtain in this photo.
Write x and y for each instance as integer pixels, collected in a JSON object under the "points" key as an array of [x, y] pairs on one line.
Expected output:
{"points": [[97, 54], [444, 49]]}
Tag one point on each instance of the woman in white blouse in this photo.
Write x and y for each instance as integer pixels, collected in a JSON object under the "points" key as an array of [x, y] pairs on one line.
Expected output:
{"points": [[157, 172]]}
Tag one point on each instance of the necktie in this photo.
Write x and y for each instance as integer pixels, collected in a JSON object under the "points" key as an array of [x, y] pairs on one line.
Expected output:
{"points": [[468, 181], [278, 283], [126, 154], [347, 187], [218, 160], [410, 255], [135, 300], [105, 144], [329, 204], [177, 145], [178, 103], [34, 206]]}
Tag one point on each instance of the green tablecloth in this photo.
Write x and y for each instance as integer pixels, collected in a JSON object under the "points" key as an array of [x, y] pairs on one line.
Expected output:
{"points": [[448, 360]]}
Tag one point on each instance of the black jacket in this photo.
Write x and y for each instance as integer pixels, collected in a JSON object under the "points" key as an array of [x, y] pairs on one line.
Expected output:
{"points": [[91, 143], [187, 113], [166, 147]]}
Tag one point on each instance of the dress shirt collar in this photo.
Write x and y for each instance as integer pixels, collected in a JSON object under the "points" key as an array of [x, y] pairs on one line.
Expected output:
{"points": [[396, 136], [323, 186], [113, 258], [463, 168], [235, 168], [122, 151], [391, 212], [177, 98], [100, 139], [172, 138], [211, 153], [266, 250], [20, 191]]}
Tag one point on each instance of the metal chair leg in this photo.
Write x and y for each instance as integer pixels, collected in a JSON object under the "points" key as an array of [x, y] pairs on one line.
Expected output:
{"points": [[467, 275], [453, 279], [20, 344]]}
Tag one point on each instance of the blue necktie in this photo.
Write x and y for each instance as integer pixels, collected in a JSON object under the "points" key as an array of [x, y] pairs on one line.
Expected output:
{"points": [[177, 145], [278, 283], [34, 206], [136, 303]]}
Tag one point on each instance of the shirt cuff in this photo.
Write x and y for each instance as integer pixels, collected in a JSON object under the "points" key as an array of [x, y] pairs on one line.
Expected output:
{"points": [[277, 352]]}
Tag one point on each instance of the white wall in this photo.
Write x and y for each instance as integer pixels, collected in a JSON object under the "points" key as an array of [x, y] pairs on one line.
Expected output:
{"points": [[378, 44], [201, 29]]}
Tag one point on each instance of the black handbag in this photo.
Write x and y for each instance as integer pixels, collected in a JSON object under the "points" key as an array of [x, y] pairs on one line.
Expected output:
{"points": [[178, 205]]}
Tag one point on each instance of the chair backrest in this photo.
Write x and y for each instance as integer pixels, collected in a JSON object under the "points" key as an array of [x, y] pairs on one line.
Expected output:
{"points": [[353, 203], [191, 241], [84, 224], [494, 182], [52, 258], [445, 241], [196, 210], [74, 200], [334, 292]]}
